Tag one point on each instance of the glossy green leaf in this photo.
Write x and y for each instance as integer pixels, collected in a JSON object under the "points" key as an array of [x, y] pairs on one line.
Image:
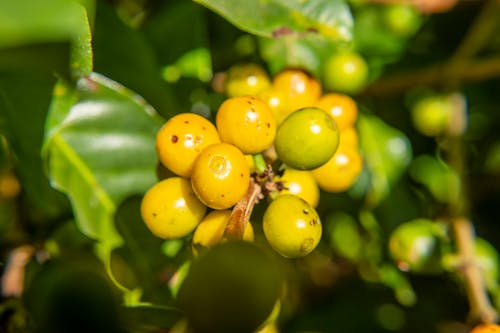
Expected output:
{"points": [[99, 151], [271, 18], [31, 22], [387, 152]]}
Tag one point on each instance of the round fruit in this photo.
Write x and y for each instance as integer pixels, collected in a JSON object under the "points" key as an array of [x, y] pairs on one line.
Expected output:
{"points": [[431, 115], [181, 139], [341, 108], [340, 172], [246, 79], [348, 139], [306, 139], [402, 19], [211, 229], [345, 72], [231, 288], [170, 208], [299, 89], [415, 246], [486, 328], [300, 183], [291, 226], [246, 122], [275, 99], [220, 176]]}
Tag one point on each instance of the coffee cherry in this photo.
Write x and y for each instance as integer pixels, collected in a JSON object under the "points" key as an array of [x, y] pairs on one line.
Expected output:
{"points": [[170, 208], [345, 72], [291, 226], [275, 99], [220, 176], [402, 19], [349, 139], [181, 139], [300, 183], [341, 108], [431, 115], [246, 79], [246, 122], [306, 139], [299, 89], [415, 247], [340, 172], [210, 230], [486, 328]]}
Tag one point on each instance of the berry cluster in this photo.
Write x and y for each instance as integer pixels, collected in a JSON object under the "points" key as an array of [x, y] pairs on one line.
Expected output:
{"points": [[276, 140]]}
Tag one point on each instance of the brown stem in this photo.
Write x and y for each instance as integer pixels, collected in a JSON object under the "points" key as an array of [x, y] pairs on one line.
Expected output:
{"points": [[480, 307], [474, 70], [242, 211]]}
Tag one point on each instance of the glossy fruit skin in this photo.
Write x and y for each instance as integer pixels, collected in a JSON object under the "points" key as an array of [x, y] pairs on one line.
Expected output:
{"points": [[299, 89], [306, 139], [291, 226], [181, 139], [246, 79], [345, 72], [246, 122], [415, 247], [431, 115], [210, 230], [486, 328], [232, 287], [340, 107], [349, 139], [221, 176], [340, 172], [171, 209], [300, 183], [275, 99], [402, 19]]}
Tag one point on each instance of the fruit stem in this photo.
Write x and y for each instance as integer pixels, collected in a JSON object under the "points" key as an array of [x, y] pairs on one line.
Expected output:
{"points": [[259, 162], [242, 211]]}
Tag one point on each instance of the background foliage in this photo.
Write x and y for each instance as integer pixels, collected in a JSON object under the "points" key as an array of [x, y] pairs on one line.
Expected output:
{"points": [[85, 85]]}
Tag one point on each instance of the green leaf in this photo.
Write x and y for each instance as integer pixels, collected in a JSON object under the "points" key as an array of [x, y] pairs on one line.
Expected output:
{"points": [[99, 151], [387, 152], [125, 55], [24, 101], [442, 181], [32, 22], [330, 18]]}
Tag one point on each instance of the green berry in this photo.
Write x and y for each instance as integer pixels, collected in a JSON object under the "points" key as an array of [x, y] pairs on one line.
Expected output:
{"points": [[307, 139], [291, 226], [345, 72]]}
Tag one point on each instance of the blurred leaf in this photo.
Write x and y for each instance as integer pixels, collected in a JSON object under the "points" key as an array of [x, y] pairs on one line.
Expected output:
{"points": [[32, 22], [124, 55], [99, 151], [330, 18], [291, 51], [387, 152], [345, 235], [441, 181], [24, 102], [393, 278]]}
